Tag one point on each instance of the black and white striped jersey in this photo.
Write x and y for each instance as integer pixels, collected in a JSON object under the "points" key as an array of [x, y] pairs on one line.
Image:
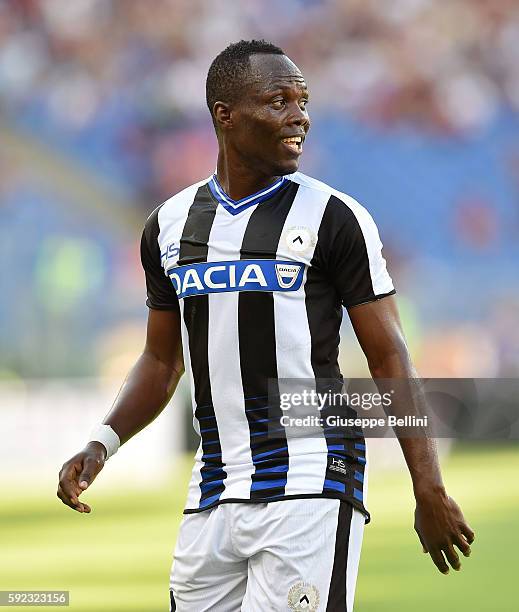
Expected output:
{"points": [[260, 284]]}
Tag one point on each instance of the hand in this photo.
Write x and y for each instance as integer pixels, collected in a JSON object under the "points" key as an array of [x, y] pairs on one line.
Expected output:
{"points": [[440, 525], [78, 473]]}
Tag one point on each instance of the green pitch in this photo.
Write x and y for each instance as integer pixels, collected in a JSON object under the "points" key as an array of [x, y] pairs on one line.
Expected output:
{"points": [[118, 558]]}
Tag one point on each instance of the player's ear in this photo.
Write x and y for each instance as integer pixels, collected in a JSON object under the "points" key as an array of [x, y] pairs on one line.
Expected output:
{"points": [[222, 115]]}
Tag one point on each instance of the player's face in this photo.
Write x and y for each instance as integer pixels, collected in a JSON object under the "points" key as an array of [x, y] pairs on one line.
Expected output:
{"points": [[271, 121]]}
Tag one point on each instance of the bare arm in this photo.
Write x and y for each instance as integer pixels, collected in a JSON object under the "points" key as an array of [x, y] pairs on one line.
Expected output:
{"points": [[147, 389], [151, 383], [439, 521]]}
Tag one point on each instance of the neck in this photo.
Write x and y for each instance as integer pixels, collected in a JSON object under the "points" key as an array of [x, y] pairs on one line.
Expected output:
{"points": [[239, 180]]}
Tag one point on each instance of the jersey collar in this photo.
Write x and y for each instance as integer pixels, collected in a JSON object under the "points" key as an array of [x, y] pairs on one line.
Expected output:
{"points": [[237, 206]]}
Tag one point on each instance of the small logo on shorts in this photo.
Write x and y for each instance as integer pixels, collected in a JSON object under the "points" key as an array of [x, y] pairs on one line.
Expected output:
{"points": [[303, 597]]}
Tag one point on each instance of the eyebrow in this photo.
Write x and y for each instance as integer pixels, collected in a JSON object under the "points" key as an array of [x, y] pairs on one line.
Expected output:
{"points": [[277, 85]]}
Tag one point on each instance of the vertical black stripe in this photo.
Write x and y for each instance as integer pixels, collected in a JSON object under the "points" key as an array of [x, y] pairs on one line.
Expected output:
{"points": [[193, 243], [337, 593], [193, 249], [324, 311], [257, 340], [323, 305], [172, 604]]}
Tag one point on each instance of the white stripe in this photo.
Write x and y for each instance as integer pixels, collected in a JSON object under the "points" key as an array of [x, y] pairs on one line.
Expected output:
{"points": [[193, 492], [224, 359], [187, 358], [354, 548], [307, 457]]}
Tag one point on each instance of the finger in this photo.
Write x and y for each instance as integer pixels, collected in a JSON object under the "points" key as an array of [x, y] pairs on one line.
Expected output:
{"points": [[459, 541], [83, 507], [439, 561], [68, 481], [78, 506], [70, 493], [70, 500], [64, 496], [90, 470], [66, 500], [452, 557], [424, 547], [467, 532], [61, 496]]}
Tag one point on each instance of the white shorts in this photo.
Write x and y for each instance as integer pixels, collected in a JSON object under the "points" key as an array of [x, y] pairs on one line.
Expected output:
{"points": [[299, 554]]}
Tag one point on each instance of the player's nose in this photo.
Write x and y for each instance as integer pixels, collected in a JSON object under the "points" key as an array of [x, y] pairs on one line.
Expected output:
{"points": [[299, 117]]}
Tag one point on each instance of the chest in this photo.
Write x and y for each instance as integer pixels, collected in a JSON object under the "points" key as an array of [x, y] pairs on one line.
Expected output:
{"points": [[267, 247]]}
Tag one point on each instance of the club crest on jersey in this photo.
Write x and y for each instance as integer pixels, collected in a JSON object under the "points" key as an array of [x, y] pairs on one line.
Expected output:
{"points": [[240, 275], [299, 239]]}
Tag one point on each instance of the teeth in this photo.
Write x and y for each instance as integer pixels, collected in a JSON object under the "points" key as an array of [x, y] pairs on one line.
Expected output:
{"points": [[296, 139]]}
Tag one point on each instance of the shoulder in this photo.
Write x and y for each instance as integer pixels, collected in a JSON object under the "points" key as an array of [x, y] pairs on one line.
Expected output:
{"points": [[341, 208], [174, 207]]}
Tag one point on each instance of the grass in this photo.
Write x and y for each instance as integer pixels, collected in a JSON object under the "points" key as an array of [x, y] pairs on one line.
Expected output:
{"points": [[397, 576], [118, 558]]}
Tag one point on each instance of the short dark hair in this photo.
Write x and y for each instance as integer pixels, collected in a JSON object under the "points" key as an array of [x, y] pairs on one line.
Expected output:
{"points": [[227, 76]]}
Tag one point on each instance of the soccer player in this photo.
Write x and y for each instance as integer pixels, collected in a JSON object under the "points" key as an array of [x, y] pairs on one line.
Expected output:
{"points": [[247, 272]]}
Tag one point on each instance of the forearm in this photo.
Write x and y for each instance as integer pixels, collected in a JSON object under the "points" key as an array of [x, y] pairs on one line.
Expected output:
{"points": [[147, 389], [420, 450], [439, 521]]}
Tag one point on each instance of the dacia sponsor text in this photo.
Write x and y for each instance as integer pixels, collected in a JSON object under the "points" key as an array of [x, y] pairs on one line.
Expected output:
{"points": [[240, 275]]}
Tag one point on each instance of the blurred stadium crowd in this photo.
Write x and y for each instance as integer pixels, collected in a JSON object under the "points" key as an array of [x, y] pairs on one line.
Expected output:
{"points": [[415, 109]]}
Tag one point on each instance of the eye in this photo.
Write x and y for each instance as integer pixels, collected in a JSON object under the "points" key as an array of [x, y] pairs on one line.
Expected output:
{"points": [[278, 103]]}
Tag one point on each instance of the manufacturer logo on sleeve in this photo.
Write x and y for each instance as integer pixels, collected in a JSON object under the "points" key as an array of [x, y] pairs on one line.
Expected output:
{"points": [[170, 253]]}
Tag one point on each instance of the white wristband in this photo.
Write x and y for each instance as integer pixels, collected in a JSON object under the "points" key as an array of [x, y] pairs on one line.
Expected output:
{"points": [[108, 438]]}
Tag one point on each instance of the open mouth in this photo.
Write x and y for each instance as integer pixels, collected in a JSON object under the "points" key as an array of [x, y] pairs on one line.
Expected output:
{"points": [[294, 142]]}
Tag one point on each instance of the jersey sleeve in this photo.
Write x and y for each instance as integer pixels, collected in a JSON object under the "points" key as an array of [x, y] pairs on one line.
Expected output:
{"points": [[160, 290], [356, 264]]}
